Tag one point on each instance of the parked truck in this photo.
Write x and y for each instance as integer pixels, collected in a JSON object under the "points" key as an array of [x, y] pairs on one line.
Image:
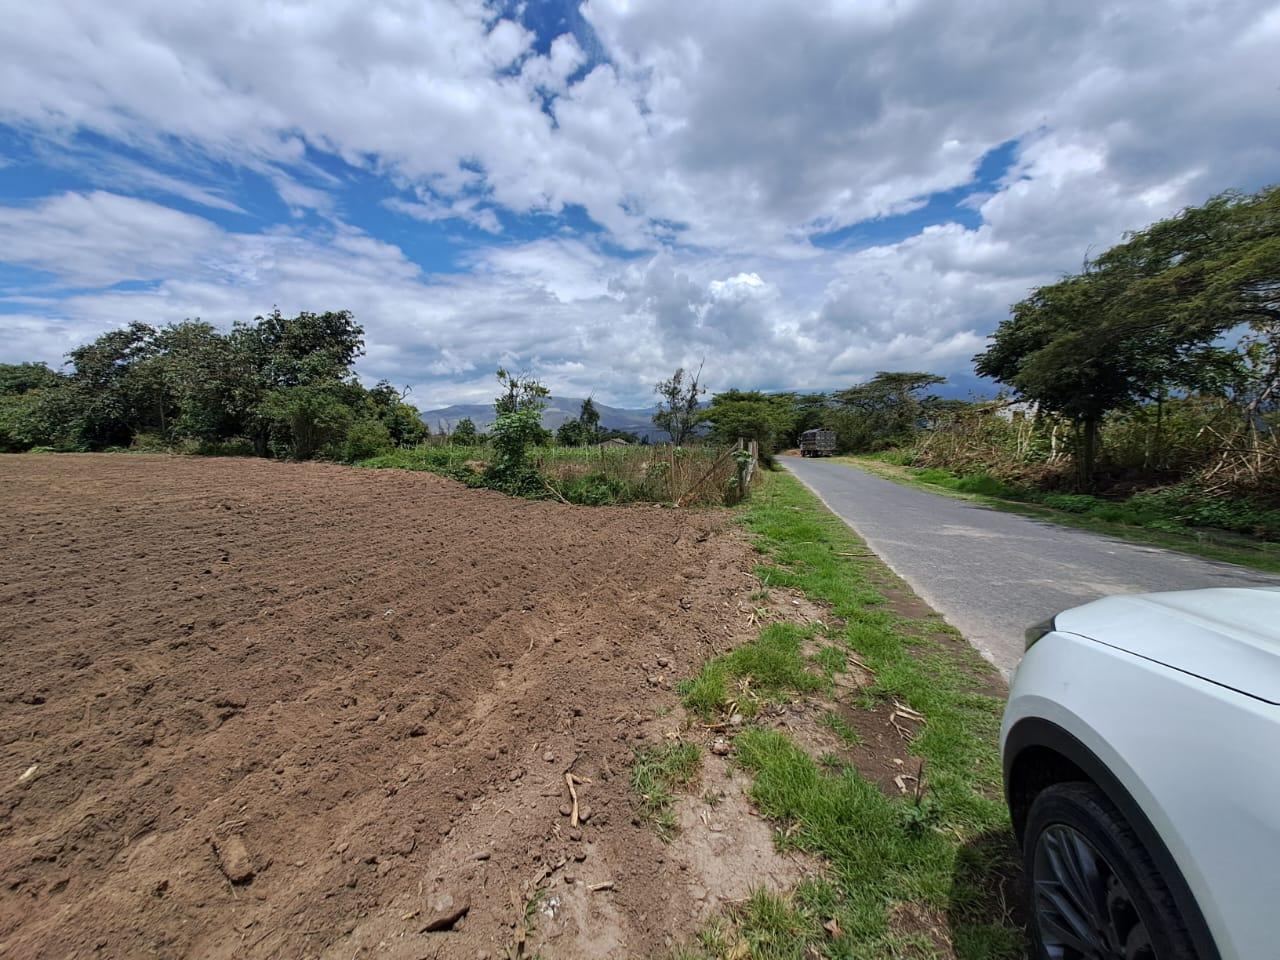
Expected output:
{"points": [[817, 443]]}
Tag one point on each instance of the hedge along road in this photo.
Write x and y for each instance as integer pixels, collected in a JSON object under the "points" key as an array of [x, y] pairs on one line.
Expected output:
{"points": [[993, 574]]}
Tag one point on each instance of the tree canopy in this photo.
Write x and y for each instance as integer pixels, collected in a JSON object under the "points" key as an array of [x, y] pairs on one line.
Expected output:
{"points": [[1149, 316], [679, 398], [283, 386]]}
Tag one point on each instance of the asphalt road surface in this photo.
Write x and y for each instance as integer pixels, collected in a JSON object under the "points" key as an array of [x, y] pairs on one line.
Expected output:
{"points": [[993, 574]]}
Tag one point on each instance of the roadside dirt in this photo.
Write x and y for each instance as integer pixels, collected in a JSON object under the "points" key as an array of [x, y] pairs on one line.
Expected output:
{"points": [[251, 709]]}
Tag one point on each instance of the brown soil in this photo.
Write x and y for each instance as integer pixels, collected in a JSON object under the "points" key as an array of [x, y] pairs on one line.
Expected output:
{"points": [[255, 709]]}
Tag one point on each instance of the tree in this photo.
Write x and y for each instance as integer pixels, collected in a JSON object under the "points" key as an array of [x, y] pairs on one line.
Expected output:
{"points": [[464, 433], [197, 367], [307, 419], [34, 408], [582, 431], [517, 427], [883, 412], [114, 389], [572, 433], [589, 417], [1144, 318], [306, 349], [678, 401], [520, 391], [750, 415], [20, 378], [402, 421], [285, 382]]}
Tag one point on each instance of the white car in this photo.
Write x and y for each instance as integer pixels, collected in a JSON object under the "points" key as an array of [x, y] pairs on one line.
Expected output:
{"points": [[1141, 749]]}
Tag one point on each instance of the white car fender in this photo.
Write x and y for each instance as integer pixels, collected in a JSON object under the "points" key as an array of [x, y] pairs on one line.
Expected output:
{"points": [[1198, 759]]}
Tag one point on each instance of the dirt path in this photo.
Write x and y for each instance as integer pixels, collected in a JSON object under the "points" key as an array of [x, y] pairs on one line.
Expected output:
{"points": [[260, 709]]}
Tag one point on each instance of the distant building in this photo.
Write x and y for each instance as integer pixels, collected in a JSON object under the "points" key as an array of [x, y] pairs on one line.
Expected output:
{"points": [[614, 442], [1017, 410]]}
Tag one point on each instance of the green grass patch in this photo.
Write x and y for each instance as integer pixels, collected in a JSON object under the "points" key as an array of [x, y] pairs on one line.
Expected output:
{"points": [[945, 854], [832, 660], [1216, 528], [656, 774], [768, 669], [841, 728]]}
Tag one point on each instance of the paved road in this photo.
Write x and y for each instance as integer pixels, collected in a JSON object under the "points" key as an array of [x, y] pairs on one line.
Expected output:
{"points": [[990, 573]]}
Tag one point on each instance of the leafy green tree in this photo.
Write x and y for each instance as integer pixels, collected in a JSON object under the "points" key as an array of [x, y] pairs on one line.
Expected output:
{"points": [[114, 388], [589, 417], [885, 411], [750, 415], [464, 433], [307, 419], [285, 382], [32, 402], [518, 427], [520, 391], [679, 397], [1145, 318], [366, 438], [403, 422], [572, 433], [584, 430], [276, 352], [197, 368], [306, 349], [20, 378]]}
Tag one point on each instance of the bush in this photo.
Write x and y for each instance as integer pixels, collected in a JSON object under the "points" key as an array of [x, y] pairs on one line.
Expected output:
{"points": [[38, 418], [306, 420], [366, 439], [149, 443], [513, 434], [595, 490], [986, 485], [899, 456]]}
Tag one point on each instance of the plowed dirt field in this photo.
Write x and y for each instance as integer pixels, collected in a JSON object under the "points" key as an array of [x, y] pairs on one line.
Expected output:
{"points": [[295, 710]]}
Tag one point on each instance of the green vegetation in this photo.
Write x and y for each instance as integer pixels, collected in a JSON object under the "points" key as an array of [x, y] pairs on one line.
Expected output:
{"points": [[517, 428], [591, 476], [841, 728], [1145, 392], [768, 669], [768, 419], [900, 869], [678, 400], [278, 386], [1145, 320], [655, 774]]}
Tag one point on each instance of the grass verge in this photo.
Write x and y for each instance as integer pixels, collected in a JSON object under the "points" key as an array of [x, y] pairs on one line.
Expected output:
{"points": [[919, 876], [1212, 545], [768, 669], [655, 774]]}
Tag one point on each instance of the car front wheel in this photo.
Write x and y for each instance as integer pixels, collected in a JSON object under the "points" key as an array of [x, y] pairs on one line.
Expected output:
{"points": [[1094, 892]]}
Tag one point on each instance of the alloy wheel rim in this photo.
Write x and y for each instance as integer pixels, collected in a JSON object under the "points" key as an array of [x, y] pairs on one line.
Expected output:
{"points": [[1083, 910]]}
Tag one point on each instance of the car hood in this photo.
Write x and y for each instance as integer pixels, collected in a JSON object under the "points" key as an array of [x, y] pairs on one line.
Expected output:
{"points": [[1227, 636]]}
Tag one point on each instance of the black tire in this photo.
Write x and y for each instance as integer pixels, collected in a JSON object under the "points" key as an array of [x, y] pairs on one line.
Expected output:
{"points": [[1082, 861]]}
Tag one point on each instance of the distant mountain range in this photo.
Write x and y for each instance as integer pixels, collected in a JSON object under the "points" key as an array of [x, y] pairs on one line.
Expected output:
{"points": [[559, 410], [640, 422]]}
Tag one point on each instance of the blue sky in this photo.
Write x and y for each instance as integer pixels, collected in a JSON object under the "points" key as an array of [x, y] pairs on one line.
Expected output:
{"points": [[798, 194]]}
